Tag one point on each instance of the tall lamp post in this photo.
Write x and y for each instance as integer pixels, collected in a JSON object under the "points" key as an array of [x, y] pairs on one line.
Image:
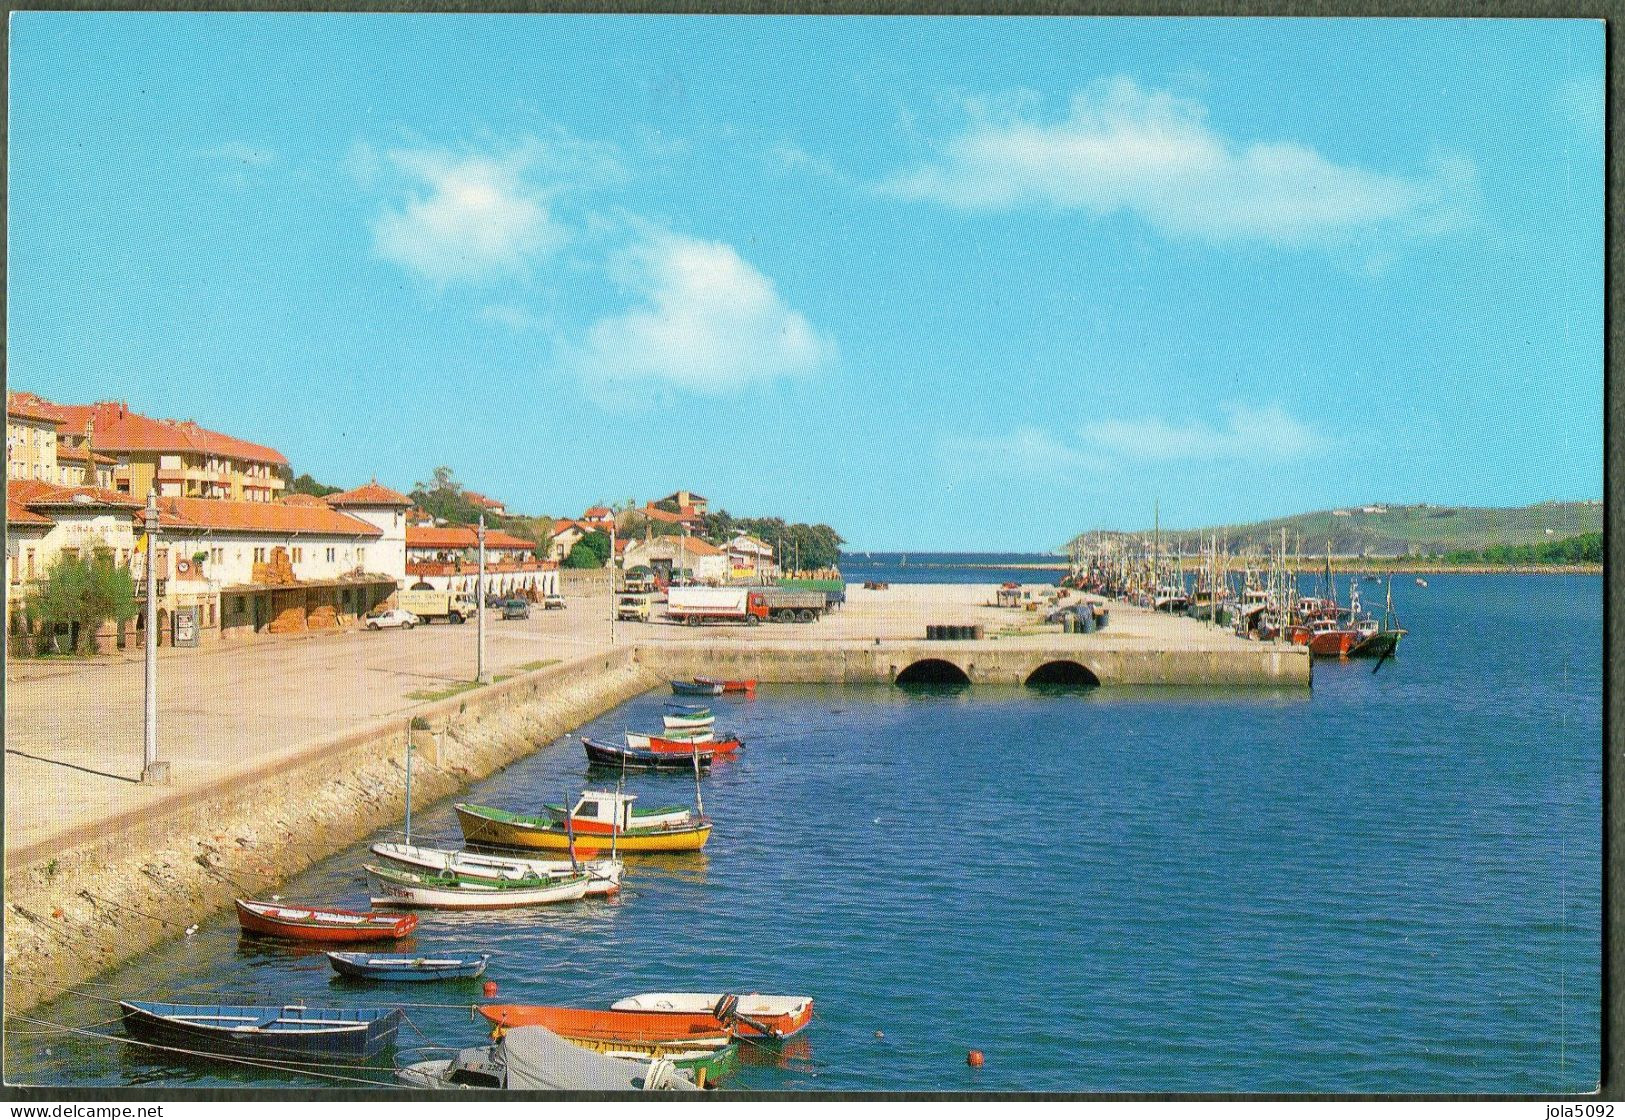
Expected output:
{"points": [[153, 772], [480, 676]]}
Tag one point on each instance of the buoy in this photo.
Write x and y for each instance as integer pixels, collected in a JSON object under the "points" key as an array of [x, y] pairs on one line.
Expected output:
{"points": [[880, 1034], [974, 1059], [490, 988]]}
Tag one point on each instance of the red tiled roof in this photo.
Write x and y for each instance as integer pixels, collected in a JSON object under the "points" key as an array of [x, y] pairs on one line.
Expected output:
{"points": [[596, 513], [461, 536], [564, 525], [33, 492], [17, 514], [687, 515], [79, 454], [370, 494], [302, 500], [26, 406], [119, 429], [225, 515]]}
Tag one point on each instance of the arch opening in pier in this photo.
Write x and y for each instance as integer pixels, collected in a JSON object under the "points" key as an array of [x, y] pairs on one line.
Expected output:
{"points": [[1065, 674], [933, 670]]}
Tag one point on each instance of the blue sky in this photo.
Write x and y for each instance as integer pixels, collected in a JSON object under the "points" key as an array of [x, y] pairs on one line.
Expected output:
{"points": [[941, 283]]}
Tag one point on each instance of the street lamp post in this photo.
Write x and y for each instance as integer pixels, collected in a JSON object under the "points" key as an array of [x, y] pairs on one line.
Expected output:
{"points": [[153, 772], [479, 613]]}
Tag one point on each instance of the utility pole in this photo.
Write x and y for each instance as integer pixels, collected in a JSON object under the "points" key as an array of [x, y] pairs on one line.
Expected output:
{"points": [[480, 676], [153, 772], [611, 577]]}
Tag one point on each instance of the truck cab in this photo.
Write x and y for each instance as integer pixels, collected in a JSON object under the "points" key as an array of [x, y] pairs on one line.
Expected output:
{"points": [[632, 607]]}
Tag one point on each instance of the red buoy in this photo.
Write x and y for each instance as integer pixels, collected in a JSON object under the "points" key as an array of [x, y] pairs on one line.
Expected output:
{"points": [[490, 989], [974, 1059]]}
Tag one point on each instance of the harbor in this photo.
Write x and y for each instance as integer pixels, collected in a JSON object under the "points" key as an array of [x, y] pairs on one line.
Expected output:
{"points": [[817, 825]]}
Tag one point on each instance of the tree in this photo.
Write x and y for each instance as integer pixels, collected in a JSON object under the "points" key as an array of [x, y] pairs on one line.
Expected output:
{"points": [[81, 593], [442, 498], [591, 551], [305, 484]]}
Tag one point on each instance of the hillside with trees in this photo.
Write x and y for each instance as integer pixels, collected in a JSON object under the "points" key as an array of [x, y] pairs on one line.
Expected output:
{"points": [[1422, 531]]}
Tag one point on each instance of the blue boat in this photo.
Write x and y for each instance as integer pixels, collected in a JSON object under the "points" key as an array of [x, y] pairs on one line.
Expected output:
{"points": [[292, 1033], [367, 966], [697, 688]]}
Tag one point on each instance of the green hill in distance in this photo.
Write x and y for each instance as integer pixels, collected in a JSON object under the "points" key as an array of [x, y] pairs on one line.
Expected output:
{"points": [[1385, 530]]}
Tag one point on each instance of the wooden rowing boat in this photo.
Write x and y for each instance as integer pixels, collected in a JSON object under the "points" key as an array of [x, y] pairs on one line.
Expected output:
{"points": [[679, 721], [696, 688], [599, 821], [293, 1032], [369, 966], [446, 890], [604, 873], [680, 743], [753, 1016], [307, 923], [535, 1058], [610, 756]]}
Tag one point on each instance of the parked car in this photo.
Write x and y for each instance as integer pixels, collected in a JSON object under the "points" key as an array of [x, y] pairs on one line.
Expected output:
{"points": [[553, 603], [515, 608], [390, 619], [493, 600]]}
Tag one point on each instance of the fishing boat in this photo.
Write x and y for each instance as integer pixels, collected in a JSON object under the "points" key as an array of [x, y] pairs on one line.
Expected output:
{"points": [[534, 1058], [610, 756], [1379, 639], [605, 874], [746, 686], [446, 890], [1330, 637], [308, 923], [366, 966], [681, 743], [293, 1032], [599, 820], [697, 687], [752, 1016], [674, 721]]}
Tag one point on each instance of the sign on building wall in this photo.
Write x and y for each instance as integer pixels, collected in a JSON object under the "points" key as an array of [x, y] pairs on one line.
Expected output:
{"points": [[184, 623]]}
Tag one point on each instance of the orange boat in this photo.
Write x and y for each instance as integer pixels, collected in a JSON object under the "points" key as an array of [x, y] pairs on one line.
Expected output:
{"points": [[746, 686], [587, 1024]]}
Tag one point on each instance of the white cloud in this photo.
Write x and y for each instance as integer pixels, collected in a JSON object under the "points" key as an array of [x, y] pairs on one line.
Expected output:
{"points": [[477, 218], [710, 323], [1121, 148], [1025, 452], [1105, 448], [1249, 434]]}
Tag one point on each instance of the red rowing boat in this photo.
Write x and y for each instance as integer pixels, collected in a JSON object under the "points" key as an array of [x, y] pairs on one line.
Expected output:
{"points": [[307, 923], [687, 746]]}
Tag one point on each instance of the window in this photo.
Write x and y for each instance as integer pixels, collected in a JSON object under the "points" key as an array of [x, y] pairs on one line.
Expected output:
{"points": [[217, 556], [332, 554], [30, 563], [298, 555], [360, 556], [16, 570], [259, 556]]}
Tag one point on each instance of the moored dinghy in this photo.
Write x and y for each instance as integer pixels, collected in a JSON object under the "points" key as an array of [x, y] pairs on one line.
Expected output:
{"points": [[679, 742], [309, 923], [368, 966], [746, 686], [695, 1045], [682, 721], [753, 1016], [293, 1032], [697, 687], [446, 890], [604, 873], [610, 756]]}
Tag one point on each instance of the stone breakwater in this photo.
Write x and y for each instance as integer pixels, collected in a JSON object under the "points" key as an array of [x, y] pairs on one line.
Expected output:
{"points": [[72, 913]]}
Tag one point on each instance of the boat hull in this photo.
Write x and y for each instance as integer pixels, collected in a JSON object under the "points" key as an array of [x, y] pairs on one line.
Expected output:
{"points": [[366, 966], [286, 1033], [1381, 644], [1331, 643], [461, 894], [696, 688], [758, 1016], [604, 873], [535, 834], [604, 1025], [630, 758], [303, 923]]}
